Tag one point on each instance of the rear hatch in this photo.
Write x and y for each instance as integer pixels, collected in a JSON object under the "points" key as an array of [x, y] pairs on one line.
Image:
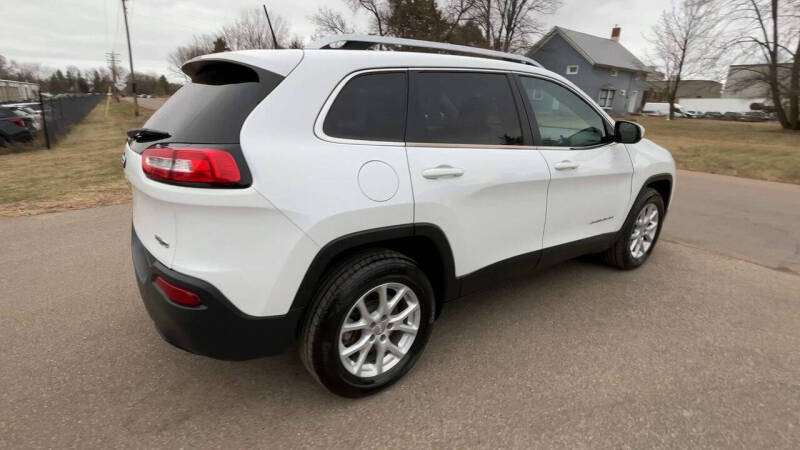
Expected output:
{"points": [[188, 152]]}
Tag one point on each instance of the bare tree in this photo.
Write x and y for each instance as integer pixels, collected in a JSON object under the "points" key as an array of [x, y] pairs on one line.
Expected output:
{"points": [[251, 31], [510, 25], [457, 12], [769, 30], [685, 43], [200, 45], [329, 22], [378, 10]]}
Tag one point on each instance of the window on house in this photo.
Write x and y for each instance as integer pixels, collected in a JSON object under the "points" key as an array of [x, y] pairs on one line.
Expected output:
{"points": [[606, 99], [572, 70], [614, 72]]}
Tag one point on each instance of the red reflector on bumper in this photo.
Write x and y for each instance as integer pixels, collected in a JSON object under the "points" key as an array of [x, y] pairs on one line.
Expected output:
{"points": [[177, 294]]}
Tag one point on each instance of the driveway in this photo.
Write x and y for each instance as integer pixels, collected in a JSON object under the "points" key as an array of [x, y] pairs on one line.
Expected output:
{"points": [[695, 349]]}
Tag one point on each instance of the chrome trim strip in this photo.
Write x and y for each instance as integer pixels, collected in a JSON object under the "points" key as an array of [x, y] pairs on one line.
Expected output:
{"points": [[455, 145], [318, 131]]}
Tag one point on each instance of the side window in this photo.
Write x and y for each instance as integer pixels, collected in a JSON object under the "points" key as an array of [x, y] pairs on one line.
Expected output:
{"points": [[462, 108], [370, 107], [563, 118]]}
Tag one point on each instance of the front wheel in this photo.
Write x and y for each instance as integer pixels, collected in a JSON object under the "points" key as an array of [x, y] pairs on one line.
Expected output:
{"points": [[369, 323], [639, 234]]}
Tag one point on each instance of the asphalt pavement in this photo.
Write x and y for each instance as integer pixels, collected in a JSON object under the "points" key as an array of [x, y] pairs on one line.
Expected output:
{"points": [[758, 221], [698, 348]]}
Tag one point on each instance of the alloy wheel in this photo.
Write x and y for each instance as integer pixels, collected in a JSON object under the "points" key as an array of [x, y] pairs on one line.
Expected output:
{"points": [[644, 231], [379, 330]]}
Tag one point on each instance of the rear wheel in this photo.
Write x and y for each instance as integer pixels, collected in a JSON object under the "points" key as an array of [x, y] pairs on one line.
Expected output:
{"points": [[3, 142], [369, 323], [640, 233]]}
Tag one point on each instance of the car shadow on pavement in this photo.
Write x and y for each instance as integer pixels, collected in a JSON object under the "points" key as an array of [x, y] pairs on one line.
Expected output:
{"points": [[467, 326]]}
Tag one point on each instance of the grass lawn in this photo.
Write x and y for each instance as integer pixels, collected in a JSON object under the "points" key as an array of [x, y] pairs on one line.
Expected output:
{"points": [[760, 150], [81, 170]]}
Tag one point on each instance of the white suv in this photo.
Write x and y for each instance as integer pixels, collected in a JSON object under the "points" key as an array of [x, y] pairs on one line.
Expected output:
{"points": [[338, 197]]}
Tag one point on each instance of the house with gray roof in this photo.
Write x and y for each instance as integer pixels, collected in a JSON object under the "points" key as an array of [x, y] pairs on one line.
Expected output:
{"points": [[602, 67]]}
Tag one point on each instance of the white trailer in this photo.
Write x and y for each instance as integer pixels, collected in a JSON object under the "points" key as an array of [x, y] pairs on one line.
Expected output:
{"points": [[721, 105]]}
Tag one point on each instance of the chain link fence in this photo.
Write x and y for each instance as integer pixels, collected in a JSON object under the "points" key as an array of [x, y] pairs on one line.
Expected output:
{"points": [[61, 113]]}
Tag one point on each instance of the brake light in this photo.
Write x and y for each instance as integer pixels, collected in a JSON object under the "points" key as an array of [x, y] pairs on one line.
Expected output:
{"points": [[179, 295], [18, 122], [190, 165]]}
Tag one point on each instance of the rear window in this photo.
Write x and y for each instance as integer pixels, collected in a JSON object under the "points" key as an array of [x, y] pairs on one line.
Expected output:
{"points": [[370, 107], [212, 108]]}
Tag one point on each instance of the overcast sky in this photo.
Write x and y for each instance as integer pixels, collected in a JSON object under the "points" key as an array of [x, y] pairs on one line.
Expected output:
{"points": [[58, 33]]}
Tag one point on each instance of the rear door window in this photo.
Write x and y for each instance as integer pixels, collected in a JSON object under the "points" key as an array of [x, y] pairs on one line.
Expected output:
{"points": [[370, 107], [468, 108], [213, 106]]}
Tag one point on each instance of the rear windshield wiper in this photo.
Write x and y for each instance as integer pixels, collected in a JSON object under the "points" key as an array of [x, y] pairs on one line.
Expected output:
{"points": [[147, 134]]}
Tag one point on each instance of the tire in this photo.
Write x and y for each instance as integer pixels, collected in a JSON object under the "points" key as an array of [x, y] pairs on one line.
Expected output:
{"points": [[3, 142], [355, 287], [623, 254]]}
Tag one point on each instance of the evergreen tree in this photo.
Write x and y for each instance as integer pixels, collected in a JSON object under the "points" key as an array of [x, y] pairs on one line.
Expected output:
{"points": [[220, 45], [416, 19], [162, 86]]}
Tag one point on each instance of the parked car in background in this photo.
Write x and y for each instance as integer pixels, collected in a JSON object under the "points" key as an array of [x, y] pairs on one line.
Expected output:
{"points": [[712, 115], [348, 194], [730, 115], [14, 127], [25, 111], [693, 114], [754, 116], [661, 109]]}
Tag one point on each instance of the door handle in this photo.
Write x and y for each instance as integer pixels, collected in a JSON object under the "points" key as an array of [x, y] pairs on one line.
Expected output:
{"points": [[442, 171], [566, 165]]}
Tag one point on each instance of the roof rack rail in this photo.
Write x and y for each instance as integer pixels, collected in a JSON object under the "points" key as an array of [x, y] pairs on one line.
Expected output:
{"points": [[365, 41]]}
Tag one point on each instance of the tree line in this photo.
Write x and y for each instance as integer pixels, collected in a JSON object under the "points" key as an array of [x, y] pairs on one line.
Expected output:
{"points": [[72, 80], [506, 25]]}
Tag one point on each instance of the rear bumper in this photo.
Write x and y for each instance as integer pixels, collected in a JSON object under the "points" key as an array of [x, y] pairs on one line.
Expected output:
{"points": [[23, 135], [217, 329]]}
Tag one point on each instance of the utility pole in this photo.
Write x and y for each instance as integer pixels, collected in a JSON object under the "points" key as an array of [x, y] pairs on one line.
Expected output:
{"points": [[130, 60], [112, 58]]}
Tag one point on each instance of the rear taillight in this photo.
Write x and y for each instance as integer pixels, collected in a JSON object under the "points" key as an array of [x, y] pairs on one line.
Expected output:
{"points": [[190, 165], [177, 294], [18, 122]]}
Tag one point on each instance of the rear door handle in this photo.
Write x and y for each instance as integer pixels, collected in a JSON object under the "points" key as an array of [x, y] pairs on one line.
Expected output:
{"points": [[566, 165], [442, 171]]}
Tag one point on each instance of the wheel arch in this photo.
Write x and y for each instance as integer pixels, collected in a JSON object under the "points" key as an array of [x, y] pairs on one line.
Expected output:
{"points": [[426, 244], [662, 183]]}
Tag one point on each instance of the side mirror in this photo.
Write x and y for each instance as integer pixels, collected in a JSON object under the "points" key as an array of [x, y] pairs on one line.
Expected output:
{"points": [[628, 132]]}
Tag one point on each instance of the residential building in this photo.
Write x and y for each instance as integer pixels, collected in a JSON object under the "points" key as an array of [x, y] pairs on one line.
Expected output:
{"points": [[657, 90], [602, 67], [749, 80]]}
